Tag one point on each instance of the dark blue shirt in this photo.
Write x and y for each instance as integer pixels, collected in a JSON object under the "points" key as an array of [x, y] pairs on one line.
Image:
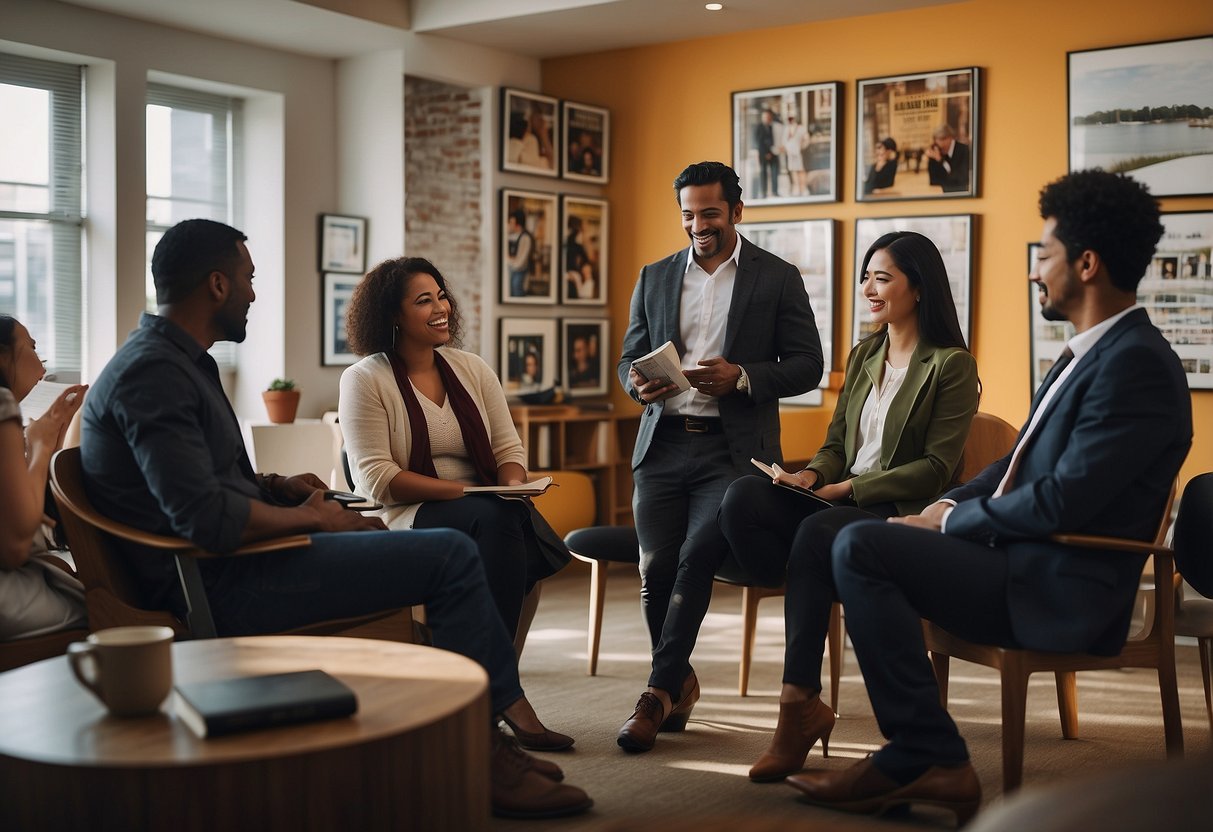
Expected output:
{"points": [[162, 450]]}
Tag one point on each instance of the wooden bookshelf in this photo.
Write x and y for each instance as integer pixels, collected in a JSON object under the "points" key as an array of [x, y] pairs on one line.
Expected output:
{"points": [[595, 441]]}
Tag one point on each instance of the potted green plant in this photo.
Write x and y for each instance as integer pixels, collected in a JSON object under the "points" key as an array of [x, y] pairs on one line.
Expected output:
{"points": [[281, 401]]}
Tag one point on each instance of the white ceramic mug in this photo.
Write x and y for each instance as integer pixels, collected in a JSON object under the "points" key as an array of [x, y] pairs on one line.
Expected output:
{"points": [[130, 669]]}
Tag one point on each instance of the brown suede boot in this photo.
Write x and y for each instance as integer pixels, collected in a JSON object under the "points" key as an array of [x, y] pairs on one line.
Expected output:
{"points": [[801, 725], [519, 790]]}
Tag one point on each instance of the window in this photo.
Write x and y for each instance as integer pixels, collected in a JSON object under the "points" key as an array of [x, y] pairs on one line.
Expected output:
{"points": [[193, 153], [41, 166]]}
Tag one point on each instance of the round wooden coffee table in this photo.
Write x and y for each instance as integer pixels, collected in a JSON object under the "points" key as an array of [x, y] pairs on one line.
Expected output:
{"points": [[414, 756]]}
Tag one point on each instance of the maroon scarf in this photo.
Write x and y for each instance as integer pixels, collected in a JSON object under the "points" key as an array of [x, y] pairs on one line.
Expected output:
{"points": [[475, 437]]}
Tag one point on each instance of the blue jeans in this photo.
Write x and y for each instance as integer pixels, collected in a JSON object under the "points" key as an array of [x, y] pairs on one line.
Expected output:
{"points": [[347, 574], [518, 283]]}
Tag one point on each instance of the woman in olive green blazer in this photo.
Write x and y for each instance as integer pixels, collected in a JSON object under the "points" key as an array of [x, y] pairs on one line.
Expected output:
{"points": [[893, 446]]}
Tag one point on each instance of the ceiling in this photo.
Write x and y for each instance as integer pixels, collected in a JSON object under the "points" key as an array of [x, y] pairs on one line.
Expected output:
{"points": [[534, 28]]}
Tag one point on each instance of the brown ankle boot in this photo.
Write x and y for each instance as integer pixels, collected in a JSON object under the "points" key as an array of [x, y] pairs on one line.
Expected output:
{"points": [[520, 791], [801, 725]]}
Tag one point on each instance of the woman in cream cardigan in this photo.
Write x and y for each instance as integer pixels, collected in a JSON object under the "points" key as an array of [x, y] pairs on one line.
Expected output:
{"points": [[892, 447], [422, 419]]}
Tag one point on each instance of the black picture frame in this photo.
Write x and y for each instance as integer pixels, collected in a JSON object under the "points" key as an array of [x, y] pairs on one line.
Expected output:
{"points": [[337, 289], [1130, 109], [793, 156], [342, 244], [528, 133], [910, 110], [584, 356], [584, 250], [527, 354], [529, 278], [585, 142]]}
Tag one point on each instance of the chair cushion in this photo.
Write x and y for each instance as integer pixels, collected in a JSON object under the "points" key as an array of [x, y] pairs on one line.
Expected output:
{"points": [[617, 544], [1193, 539]]}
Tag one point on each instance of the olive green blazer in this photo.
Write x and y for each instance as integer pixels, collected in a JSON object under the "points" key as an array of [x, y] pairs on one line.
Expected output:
{"points": [[924, 432]]}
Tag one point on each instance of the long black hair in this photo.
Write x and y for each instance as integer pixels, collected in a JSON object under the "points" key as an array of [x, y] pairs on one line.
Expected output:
{"points": [[921, 262], [8, 331]]}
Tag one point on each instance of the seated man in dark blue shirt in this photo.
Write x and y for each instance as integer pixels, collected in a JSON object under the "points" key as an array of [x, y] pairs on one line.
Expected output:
{"points": [[162, 451]]}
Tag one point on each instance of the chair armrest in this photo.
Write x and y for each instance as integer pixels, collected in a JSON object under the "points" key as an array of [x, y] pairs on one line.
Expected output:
{"points": [[1119, 544]]}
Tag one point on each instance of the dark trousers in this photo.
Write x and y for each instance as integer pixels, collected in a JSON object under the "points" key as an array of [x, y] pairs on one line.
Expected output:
{"points": [[770, 174], [348, 574], [508, 551], [777, 535], [889, 577], [678, 489]]}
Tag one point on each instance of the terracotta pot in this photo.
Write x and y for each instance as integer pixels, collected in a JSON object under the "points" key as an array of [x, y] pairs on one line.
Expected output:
{"points": [[281, 405]]}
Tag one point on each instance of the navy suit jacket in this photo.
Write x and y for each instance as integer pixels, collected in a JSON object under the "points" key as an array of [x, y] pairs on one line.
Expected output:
{"points": [[771, 332], [1101, 461]]}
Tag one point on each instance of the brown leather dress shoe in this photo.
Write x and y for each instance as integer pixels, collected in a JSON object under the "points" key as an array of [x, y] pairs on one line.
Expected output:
{"points": [[640, 731], [544, 740], [801, 725], [520, 791], [545, 767], [863, 789], [677, 720]]}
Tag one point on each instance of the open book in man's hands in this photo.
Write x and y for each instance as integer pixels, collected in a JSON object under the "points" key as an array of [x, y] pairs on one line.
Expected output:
{"points": [[785, 480], [523, 489], [663, 364]]}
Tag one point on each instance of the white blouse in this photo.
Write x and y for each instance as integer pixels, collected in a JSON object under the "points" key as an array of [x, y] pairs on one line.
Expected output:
{"points": [[871, 420]]}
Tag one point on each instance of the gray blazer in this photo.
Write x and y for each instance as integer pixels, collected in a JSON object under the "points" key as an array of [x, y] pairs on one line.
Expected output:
{"points": [[771, 332]]}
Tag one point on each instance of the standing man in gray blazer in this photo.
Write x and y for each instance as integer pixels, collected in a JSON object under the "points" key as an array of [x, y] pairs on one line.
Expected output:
{"points": [[741, 321]]}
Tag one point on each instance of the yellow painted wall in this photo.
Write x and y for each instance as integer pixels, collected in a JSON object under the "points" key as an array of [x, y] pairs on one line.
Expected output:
{"points": [[670, 105]]}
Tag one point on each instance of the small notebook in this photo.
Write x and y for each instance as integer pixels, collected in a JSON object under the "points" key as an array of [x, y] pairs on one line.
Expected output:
{"points": [[523, 489], [773, 470], [248, 703]]}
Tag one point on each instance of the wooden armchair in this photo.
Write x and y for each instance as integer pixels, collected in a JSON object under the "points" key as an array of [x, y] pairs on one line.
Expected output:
{"points": [[1153, 647], [111, 595]]}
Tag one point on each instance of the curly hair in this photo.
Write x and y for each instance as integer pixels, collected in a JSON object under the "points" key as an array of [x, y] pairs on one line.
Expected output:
{"points": [[370, 320], [1107, 213]]}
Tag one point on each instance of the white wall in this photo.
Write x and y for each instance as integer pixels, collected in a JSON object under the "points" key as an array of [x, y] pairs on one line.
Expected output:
{"points": [[324, 136]]}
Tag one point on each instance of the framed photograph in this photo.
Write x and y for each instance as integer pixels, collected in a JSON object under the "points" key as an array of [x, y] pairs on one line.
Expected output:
{"points": [[1048, 337], [337, 291], [528, 132], [585, 142], [809, 246], [917, 136], [342, 244], [785, 143], [1133, 109], [529, 234], [583, 256], [587, 345], [527, 355], [951, 234], [1177, 290]]}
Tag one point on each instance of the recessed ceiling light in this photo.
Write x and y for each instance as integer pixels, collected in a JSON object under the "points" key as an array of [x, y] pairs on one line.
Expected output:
{"points": [[714, 7]]}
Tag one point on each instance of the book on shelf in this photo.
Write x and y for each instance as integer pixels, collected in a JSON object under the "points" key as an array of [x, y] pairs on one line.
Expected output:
{"points": [[523, 489], [778, 475], [663, 364], [248, 703]]}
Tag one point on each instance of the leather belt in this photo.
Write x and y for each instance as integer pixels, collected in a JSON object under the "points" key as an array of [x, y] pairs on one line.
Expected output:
{"points": [[691, 424]]}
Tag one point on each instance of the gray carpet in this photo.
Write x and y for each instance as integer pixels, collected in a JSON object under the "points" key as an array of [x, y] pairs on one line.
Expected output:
{"points": [[700, 774]]}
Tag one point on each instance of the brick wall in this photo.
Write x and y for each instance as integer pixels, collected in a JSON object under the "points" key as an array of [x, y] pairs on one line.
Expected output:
{"points": [[443, 184]]}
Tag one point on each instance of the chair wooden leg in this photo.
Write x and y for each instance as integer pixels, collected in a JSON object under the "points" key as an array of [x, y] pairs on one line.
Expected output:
{"points": [[1067, 703], [1014, 711], [836, 642], [749, 627], [598, 581], [529, 604], [1172, 724], [939, 662], [1205, 646]]}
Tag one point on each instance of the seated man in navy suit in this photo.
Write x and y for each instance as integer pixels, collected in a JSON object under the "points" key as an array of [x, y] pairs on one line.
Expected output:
{"points": [[1106, 435]]}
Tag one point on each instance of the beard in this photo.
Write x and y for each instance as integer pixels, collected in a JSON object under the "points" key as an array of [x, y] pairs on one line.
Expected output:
{"points": [[233, 322]]}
